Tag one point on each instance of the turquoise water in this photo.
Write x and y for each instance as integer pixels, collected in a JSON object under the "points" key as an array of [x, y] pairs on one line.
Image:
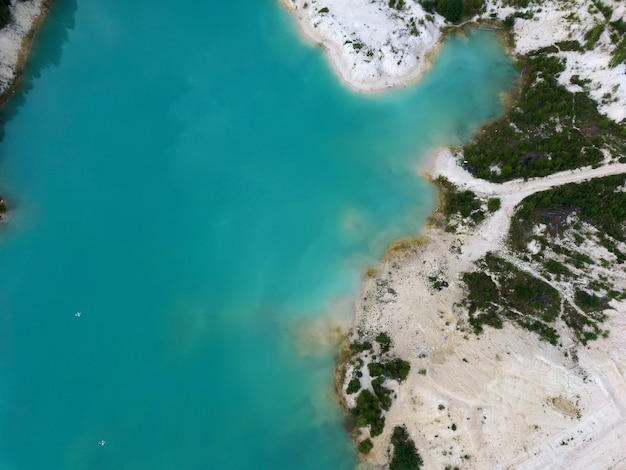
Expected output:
{"points": [[199, 188]]}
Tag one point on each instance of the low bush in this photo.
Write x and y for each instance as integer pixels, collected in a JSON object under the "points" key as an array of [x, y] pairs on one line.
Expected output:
{"points": [[405, 455]]}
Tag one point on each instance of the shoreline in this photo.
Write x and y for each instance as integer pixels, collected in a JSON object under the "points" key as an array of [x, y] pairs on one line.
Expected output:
{"points": [[455, 408], [16, 42], [383, 69], [561, 401]]}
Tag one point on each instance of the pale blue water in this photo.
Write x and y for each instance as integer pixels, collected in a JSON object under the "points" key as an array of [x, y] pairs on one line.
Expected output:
{"points": [[193, 179]]}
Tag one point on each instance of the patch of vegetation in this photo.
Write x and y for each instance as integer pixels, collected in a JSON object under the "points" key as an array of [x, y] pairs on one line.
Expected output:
{"points": [[365, 446], [397, 4], [357, 347], [599, 202], [584, 327], [494, 204], [437, 282], [500, 291], [384, 341], [536, 137], [569, 46], [459, 203], [557, 268], [593, 35], [397, 369], [405, 455], [517, 3], [368, 412], [453, 10], [382, 393], [618, 56], [5, 12], [353, 386], [606, 10], [370, 406]]}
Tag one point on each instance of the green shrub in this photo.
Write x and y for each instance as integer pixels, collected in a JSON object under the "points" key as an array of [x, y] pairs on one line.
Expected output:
{"points": [[5, 13], [383, 393], [365, 446], [593, 35], [367, 412], [494, 204], [376, 369], [397, 369], [353, 386], [451, 10], [405, 455], [385, 342]]}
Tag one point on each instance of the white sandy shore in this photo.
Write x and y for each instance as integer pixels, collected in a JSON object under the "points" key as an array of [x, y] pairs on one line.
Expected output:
{"points": [[370, 44], [15, 39]]}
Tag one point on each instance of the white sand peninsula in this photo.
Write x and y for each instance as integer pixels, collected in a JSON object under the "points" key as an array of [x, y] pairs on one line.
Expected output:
{"points": [[371, 45], [503, 399]]}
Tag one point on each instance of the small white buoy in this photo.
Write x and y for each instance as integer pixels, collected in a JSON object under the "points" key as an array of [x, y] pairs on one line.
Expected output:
{"points": [[102, 442], [77, 314]]}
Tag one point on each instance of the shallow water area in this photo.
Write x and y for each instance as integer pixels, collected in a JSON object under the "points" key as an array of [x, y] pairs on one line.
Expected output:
{"points": [[196, 183]]}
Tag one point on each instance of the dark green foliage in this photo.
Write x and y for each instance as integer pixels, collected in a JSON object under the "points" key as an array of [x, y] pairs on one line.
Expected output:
{"points": [[544, 331], [509, 22], [353, 386], [428, 6], [584, 327], [465, 203], [451, 10], [593, 35], [589, 302], [376, 369], [395, 369], [493, 204], [5, 13], [556, 268], [385, 342], [517, 296], [483, 290], [359, 347], [536, 137], [569, 46], [397, 4], [472, 7], [365, 446], [405, 455], [517, 3], [606, 10], [368, 412], [618, 56], [619, 26], [597, 201], [324, 10], [383, 393]]}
